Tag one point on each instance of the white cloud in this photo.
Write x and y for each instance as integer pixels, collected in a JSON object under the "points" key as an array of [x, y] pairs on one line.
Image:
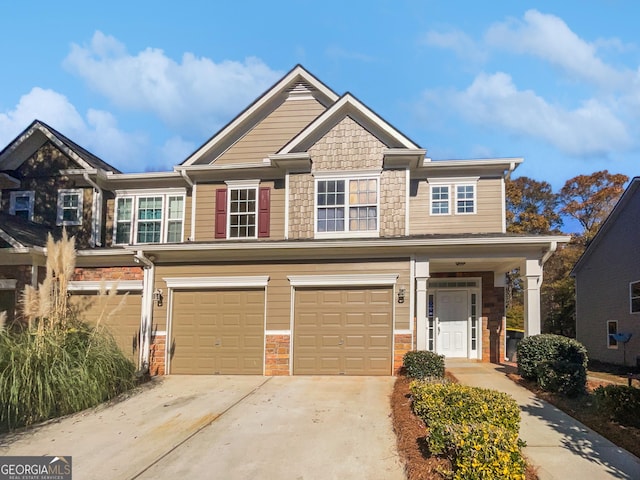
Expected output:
{"points": [[195, 94], [493, 100], [550, 38], [459, 42], [175, 150], [97, 133]]}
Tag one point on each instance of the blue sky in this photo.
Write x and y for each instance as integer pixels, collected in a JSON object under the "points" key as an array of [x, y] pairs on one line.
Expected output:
{"points": [[142, 84]]}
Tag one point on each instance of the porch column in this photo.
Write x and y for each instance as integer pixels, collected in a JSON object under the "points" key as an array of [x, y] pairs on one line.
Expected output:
{"points": [[422, 277], [532, 279]]}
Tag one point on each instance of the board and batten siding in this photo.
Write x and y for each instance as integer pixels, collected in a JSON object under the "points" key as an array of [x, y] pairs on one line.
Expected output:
{"points": [[273, 132], [279, 288], [206, 210], [487, 219]]}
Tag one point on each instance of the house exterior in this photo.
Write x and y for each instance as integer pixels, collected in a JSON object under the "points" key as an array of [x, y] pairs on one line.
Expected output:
{"points": [[608, 285], [307, 236]]}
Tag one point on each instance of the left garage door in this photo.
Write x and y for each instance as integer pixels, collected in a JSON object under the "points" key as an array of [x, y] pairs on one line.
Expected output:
{"points": [[217, 332], [124, 324]]}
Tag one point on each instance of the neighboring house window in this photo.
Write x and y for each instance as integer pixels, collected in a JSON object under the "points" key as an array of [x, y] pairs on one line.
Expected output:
{"points": [[70, 207], [347, 205], [465, 199], [21, 204], [149, 218], [440, 200], [612, 329], [634, 287], [243, 210]]}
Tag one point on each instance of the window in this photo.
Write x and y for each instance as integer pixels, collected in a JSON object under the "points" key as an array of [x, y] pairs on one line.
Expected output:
{"points": [[634, 288], [21, 204], [612, 329], [151, 218], [347, 205], [242, 212], [69, 207], [440, 200], [465, 199]]}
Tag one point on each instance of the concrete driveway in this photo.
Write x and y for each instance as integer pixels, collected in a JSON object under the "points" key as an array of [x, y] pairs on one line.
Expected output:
{"points": [[231, 427]]}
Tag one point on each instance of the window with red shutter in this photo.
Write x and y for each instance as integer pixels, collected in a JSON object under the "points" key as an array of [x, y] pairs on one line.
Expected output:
{"points": [[264, 212], [221, 213]]}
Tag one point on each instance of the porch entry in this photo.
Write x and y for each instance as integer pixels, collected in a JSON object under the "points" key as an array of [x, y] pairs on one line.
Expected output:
{"points": [[453, 321]]}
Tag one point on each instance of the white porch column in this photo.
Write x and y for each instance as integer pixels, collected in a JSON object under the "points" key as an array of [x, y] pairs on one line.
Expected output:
{"points": [[422, 277], [532, 279]]}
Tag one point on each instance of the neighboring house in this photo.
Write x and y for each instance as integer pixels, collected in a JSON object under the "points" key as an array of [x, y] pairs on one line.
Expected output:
{"points": [[608, 284], [307, 236]]}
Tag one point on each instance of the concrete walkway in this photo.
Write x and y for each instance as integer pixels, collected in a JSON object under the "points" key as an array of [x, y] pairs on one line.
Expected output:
{"points": [[558, 445]]}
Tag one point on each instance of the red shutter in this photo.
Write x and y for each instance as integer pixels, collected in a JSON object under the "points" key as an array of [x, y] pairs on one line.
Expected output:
{"points": [[221, 213], [264, 211]]}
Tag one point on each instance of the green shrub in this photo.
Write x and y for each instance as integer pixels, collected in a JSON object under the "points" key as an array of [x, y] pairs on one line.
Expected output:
{"points": [[619, 403], [423, 364], [485, 452], [59, 372], [556, 363]]}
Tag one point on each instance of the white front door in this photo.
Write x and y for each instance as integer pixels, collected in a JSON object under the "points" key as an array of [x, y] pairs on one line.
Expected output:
{"points": [[452, 311]]}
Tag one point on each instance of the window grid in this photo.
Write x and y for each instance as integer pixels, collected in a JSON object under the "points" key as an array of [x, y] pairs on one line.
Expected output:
{"points": [[440, 200], [69, 207], [174, 219], [361, 203], [634, 288], [465, 199], [612, 329], [242, 212], [149, 219], [431, 317], [474, 321], [21, 204]]}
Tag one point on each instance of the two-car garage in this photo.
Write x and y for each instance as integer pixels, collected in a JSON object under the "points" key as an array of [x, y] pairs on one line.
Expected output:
{"points": [[334, 330]]}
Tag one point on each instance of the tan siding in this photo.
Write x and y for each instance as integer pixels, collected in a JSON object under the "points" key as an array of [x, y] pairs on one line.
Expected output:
{"points": [[488, 218], [273, 132], [279, 287]]}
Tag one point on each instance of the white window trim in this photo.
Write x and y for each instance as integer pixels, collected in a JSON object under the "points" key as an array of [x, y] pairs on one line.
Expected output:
{"points": [[609, 346], [475, 198], [137, 194], [217, 282], [631, 297], [21, 193], [8, 284], [242, 185], [60, 215], [346, 176], [96, 286], [431, 212]]}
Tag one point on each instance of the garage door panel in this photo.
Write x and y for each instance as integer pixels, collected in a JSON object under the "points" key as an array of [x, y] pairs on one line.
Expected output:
{"points": [[218, 332], [352, 328]]}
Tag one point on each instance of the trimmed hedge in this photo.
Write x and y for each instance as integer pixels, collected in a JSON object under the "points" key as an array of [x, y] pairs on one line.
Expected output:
{"points": [[556, 363], [423, 364], [619, 403], [476, 428]]}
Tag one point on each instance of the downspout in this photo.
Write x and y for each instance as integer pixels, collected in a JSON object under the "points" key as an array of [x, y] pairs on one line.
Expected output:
{"points": [[552, 248], [190, 182], [146, 318], [96, 224]]}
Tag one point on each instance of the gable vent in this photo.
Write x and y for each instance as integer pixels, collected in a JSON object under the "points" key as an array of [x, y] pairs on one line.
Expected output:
{"points": [[300, 91]]}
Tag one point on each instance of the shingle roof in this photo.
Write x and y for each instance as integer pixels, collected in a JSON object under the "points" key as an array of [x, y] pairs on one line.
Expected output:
{"points": [[27, 234]]}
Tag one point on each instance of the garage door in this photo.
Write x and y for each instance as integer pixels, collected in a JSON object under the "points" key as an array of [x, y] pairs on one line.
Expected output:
{"points": [[124, 324], [343, 331], [217, 332]]}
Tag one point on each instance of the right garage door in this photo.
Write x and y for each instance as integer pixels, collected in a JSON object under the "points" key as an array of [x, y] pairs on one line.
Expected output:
{"points": [[343, 331]]}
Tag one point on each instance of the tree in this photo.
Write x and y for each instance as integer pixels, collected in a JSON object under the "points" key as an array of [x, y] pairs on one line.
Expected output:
{"points": [[531, 207], [590, 198]]}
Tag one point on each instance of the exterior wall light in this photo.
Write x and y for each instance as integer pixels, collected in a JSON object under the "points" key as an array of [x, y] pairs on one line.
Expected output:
{"points": [[157, 296], [401, 293]]}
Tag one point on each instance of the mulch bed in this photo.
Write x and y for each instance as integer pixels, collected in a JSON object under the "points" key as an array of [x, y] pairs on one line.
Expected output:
{"points": [[410, 432]]}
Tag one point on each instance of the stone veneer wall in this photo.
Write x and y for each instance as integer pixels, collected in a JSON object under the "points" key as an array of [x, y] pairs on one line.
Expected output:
{"points": [[301, 195], [277, 355], [493, 315], [392, 203]]}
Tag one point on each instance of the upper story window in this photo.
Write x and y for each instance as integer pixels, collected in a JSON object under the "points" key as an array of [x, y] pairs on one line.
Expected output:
{"points": [[242, 210], [453, 195], [465, 199], [142, 217], [634, 288], [69, 207], [440, 200], [347, 205], [21, 204]]}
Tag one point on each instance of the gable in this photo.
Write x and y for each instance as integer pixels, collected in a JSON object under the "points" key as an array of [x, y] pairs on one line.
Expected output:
{"points": [[47, 161], [271, 133]]}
